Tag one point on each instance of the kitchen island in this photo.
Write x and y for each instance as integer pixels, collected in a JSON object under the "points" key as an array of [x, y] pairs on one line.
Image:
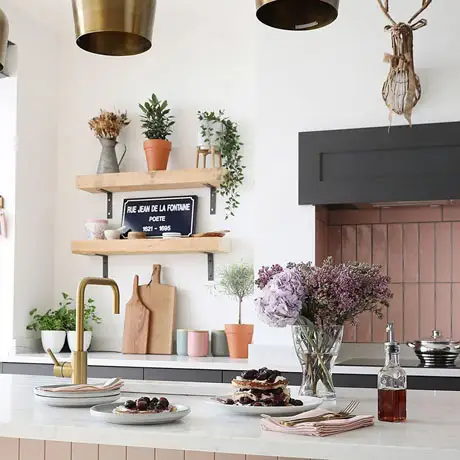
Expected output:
{"points": [[32, 431]]}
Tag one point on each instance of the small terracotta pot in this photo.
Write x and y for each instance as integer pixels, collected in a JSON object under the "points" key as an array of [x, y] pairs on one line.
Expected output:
{"points": [[157, 154], [239, 336]]}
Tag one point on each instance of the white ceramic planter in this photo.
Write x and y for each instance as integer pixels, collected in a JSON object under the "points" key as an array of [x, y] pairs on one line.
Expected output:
{"points": [[54, 340], [72, 340]]}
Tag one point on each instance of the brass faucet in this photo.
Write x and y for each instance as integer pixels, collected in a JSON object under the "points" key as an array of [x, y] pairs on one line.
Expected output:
{"points": [[78, 369]]}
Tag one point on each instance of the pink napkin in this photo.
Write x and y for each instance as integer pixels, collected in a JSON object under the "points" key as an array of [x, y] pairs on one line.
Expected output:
{"points": [[114, 384], [326, 428]]}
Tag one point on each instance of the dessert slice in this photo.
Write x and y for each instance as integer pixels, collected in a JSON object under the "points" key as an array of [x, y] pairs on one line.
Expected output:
{"points": [[263, 387], [145, 405]]}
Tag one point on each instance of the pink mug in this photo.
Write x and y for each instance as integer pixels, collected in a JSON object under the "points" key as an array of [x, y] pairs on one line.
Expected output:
{"points": [[198, 343]]}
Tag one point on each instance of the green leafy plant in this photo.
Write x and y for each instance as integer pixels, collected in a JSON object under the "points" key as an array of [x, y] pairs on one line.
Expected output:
{"points": [[222, 132], [237, 281], [64, 318], [156, 121], [89, 317]]}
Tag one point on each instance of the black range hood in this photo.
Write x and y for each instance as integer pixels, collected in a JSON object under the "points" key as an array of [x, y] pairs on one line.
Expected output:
{"points": [[373, 165]]}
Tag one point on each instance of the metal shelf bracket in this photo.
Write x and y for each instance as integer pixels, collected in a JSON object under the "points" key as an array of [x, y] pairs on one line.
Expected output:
{"points": [[212, 199], [109, 203], [105, 265], [210, 266]]}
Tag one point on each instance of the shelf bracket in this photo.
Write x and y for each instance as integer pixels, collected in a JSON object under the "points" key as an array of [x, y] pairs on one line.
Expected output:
{"points": [[105, 265], [210, 266], [212, 199], [109, 203]]}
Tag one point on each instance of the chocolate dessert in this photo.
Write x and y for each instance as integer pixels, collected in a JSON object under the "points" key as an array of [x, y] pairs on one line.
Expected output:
{"points": [[145, 405], [263, 387]]}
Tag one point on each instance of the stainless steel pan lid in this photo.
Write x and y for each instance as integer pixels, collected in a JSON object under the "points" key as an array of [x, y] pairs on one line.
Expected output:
{"points": [[436, 343]]}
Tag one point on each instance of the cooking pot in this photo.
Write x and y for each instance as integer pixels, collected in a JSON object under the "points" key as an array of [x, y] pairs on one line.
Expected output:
{"points": [[436, 351]]}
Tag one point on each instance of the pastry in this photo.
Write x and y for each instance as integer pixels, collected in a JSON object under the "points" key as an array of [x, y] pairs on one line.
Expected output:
{"points": [[145, 405], [263, 387]]}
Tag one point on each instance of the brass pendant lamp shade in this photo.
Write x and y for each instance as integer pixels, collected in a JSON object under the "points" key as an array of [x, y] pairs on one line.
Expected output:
{"points": [[114, 27], [297, 14], [3, 38]]}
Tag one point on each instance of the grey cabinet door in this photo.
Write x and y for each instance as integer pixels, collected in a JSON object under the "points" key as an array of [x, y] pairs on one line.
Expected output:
{"points": [[369, 165], [133, 373], [93, 371], [183, 375], [27, 369]]}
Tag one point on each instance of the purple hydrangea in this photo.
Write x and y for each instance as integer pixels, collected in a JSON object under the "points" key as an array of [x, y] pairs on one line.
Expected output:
{"points": [[282, 299]]}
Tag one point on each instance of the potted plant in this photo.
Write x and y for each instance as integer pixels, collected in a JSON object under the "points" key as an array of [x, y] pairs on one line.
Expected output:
{"points": [[107, 127], [51, 325], [89, 319], [237, 281], [222, 133], [157, 125]]}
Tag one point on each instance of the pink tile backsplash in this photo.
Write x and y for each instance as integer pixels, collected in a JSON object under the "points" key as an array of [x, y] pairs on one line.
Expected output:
{"points": [[419, 248]]}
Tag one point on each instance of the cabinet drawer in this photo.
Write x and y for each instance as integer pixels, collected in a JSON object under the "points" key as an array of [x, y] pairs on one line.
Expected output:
{"points": [[183, 375]]}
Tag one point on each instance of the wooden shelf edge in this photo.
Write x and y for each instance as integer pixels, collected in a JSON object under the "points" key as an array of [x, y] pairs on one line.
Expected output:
{"points": [[156, 180], [152, 246]]}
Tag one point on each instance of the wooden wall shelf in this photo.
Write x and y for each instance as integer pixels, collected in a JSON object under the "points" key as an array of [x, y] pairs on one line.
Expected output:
{"points": [[152, 246], [156, 180], [105, 248]]}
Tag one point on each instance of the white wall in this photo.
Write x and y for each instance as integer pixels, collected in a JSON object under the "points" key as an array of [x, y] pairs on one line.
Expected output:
{"points": [[208, 55], [30, 205], [8, 121]]}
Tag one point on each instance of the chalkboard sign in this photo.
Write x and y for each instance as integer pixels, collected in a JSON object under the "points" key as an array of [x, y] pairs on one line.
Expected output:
{"points": [[156, 216]]}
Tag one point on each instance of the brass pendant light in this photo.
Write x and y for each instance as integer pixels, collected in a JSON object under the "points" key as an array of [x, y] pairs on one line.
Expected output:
{"points": [[297, 14], [114, 27], [3, 38]]}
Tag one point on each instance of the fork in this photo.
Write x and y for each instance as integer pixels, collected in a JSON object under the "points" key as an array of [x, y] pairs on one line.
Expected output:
{"points": [[345, 413]]}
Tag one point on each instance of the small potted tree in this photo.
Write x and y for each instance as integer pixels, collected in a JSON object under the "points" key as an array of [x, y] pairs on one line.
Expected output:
{"points": [[157, 124], [89, 319], [237, 281], [51, 325]]}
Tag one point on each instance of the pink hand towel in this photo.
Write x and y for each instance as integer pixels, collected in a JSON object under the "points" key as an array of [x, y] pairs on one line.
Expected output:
{"points": [[324, 428]]}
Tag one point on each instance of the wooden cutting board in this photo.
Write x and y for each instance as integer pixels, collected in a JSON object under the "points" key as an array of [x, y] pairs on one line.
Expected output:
{"points": [[160, 299], [137, 323]]}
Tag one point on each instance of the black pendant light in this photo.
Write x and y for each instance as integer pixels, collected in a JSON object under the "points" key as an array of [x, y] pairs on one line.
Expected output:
{"points": [[114, 27], [297, 14], [3, 38]]}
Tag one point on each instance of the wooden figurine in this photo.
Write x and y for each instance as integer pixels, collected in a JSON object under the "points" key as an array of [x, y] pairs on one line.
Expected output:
{"points": [[215, 155]]}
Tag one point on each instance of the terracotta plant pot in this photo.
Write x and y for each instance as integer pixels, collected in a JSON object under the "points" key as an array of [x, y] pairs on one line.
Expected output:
{"points": [[157, 154], [239, 336]]}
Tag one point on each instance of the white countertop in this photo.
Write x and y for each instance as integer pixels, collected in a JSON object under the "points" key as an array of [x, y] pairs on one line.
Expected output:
{"points": [[212, 363], [432, 429]]}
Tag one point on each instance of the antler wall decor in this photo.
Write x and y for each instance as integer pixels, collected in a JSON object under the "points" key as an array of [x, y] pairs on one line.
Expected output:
{"points": [[402, 90]]}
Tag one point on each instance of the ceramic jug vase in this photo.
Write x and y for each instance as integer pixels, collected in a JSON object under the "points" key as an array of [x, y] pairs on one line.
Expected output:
{"points": [[108, 163]]}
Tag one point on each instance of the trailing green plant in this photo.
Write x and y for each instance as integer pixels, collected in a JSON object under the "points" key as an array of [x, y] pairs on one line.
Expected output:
{"points": [[155, 118], [221, 132], [237, 281]]}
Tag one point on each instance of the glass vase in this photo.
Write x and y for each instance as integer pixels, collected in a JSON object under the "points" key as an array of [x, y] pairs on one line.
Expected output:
{"points": [[317, 350]]}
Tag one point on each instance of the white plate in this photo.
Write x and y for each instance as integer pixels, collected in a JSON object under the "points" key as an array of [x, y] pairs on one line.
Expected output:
{"points": [[41, 391], [105, 413], [309, 403], [77, 402]]}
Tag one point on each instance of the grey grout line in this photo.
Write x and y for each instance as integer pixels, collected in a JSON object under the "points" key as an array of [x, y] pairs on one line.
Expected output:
{"points": [[372, 262], [451, 277], [435, 272], [419, 326], [403, 296]]}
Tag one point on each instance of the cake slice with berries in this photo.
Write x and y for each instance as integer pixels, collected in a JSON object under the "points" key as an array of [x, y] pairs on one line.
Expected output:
{"points": [[145, 405], [263, 387]]}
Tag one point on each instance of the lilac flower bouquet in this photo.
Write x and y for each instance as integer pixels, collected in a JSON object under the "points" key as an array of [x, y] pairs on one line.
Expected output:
{"points": [[317, 301]]}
